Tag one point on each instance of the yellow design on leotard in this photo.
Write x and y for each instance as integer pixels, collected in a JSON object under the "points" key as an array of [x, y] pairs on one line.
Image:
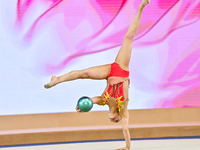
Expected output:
{"points": [[119, 103], [106, 96]]}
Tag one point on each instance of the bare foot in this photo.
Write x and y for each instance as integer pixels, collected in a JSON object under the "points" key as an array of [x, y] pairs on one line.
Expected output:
{"points": [[52, 83], [144, 3]]}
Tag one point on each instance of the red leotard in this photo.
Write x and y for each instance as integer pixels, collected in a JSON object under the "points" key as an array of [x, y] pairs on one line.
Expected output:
{"points": [[117, 71], [115, 79]]}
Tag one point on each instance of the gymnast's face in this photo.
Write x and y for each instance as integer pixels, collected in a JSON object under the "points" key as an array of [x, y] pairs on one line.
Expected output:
{"points": [[114, 117]]}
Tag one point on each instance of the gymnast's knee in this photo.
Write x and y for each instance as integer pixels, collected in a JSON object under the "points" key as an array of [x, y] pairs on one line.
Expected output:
{"points": [[84, 74], [130, 35]]}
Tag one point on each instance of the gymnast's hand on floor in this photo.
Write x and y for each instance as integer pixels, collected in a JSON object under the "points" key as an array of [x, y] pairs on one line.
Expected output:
{"points": [[123, 148]]}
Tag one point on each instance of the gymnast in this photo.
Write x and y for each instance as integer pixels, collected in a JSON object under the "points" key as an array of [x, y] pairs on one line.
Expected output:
{"points": [[115, 94]]}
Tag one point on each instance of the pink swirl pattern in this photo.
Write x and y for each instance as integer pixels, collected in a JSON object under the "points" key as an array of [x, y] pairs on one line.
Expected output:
{"points": [[91, 26]]}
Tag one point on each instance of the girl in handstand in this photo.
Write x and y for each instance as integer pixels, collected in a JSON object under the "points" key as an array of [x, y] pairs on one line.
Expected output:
{"points": [[117, 76]]}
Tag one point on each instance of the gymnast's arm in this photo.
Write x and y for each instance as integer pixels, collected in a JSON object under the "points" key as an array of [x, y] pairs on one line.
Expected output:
{"points": [[125, 123], [96, 100]]}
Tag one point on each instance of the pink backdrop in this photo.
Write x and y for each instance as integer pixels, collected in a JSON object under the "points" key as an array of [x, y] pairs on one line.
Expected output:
{"points": [[165, 67]]}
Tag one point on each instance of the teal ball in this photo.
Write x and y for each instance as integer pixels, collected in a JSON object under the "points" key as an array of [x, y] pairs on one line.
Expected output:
{"points": [[85, 104]]}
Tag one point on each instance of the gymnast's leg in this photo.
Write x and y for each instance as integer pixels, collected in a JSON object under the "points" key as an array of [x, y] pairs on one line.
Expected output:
{"points": [[123, 59], [124, 54], [96, 73]]}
